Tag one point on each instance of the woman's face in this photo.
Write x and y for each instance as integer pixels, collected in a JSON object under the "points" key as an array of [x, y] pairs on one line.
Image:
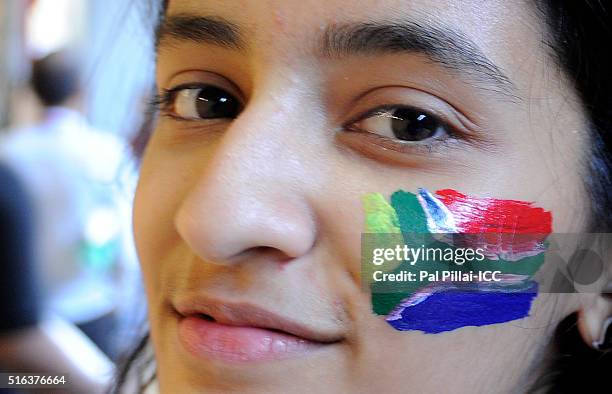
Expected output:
{"points": [[249, 206]]}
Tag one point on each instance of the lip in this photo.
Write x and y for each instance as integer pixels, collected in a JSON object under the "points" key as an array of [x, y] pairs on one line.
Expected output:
{"points": [[243, 332]]}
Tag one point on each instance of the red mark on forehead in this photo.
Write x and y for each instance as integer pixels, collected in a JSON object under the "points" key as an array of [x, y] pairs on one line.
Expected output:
{"points": [[280, 20]]}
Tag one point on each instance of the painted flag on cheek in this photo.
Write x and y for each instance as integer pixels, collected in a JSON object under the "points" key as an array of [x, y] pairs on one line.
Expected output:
{"points": [[510, 234]]}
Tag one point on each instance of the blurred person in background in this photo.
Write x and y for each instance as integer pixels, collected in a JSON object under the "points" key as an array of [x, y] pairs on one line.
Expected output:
{"points": [[69, 169], [29, 342]]}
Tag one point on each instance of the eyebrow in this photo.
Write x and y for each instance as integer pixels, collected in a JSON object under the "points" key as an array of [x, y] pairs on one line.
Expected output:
{"points": [[199, 29], [444, 46], [448, 48]]}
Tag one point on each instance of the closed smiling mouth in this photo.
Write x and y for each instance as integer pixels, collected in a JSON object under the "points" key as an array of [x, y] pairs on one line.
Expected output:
{"points": [[244, 332]]}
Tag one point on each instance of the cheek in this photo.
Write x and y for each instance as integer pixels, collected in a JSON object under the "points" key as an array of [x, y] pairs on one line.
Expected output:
{"points": [[147, 228], [342, 222], [157, 199]]}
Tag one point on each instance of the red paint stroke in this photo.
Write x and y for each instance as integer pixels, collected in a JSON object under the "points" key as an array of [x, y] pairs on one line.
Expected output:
{"points": [[509, 225]]}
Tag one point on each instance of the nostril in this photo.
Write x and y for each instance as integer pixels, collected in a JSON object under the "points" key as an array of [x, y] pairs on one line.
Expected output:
{"points": [[206, 317], [270, 253]]}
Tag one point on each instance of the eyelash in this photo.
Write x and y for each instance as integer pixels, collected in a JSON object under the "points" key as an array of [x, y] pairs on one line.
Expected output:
{"points": [[162, 103]]}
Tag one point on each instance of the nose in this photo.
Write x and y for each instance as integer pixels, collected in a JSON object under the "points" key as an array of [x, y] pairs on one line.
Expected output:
{"points": [[251, 190]]}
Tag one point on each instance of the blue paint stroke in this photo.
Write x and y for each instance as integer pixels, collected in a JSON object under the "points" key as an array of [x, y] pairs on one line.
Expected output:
{"points": [[454, 308]]}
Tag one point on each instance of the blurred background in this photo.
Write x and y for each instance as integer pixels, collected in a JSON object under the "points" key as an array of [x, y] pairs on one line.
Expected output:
{"points": [[75, 78]]}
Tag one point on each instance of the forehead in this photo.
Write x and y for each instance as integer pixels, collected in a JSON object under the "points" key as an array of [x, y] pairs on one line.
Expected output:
{"points": [[504, 32], [485, 21]]}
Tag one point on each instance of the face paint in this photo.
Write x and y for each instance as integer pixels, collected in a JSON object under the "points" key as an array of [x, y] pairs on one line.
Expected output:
{"points": [[507, 229], [453, 308], [511, 234], [490, 215], [380, 217]]}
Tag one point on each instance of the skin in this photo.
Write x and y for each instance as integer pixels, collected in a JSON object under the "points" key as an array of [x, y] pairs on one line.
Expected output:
{"points": [[266, 208]]}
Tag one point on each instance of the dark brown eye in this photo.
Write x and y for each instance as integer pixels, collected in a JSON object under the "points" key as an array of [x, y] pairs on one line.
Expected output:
{"points": [[403, 123], [408, 124], [204, 102]]}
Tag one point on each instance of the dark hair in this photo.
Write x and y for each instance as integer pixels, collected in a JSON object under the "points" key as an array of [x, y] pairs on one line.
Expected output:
{"points": [[55, 78], [579, 37]]}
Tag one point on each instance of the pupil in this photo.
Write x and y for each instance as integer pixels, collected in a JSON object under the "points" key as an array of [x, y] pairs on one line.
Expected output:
{"points": [[408, 124], [216, 103]]}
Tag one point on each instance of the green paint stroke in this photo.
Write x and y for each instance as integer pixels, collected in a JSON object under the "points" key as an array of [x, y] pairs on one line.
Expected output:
{"points": [[410, 214]]}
